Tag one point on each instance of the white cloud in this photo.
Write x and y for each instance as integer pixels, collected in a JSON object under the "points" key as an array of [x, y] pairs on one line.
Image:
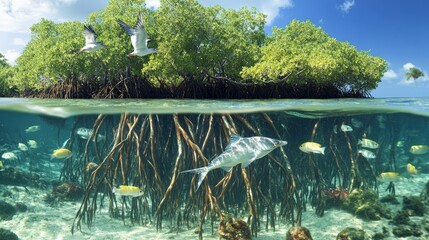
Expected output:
{"points": [[269, 7], [390, 74], [18, 16], [347, 5], [11, 56], [19, 41], [407, 66], [153, 4]]}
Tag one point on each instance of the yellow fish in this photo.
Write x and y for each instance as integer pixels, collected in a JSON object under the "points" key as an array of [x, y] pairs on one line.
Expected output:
{"points": [[1, 166], [61, 153], [388, 177], [124, 190], [411, 169], [419, 149], [312, 147]]}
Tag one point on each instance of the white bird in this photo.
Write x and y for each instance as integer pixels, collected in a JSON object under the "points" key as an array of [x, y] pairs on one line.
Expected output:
{"points": [[91, 43], [139, 38]]}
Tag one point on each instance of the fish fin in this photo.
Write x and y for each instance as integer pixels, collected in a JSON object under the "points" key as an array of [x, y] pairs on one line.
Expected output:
{"points": [[322, 150], [234, 138], [228, 169], [248, 162], [200, 171]]}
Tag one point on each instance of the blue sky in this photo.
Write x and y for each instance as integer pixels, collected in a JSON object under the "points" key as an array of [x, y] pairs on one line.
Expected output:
{"points": [[395, 30]]}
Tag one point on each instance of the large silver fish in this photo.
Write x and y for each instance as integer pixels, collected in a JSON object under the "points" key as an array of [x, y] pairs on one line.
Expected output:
{"points": [[239, 150]]}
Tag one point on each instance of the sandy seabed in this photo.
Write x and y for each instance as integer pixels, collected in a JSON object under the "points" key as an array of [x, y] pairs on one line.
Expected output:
{"points": [[42, 221]]}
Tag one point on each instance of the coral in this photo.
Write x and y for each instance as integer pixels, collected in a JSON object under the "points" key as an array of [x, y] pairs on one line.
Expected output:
{"points": [[407, 231], [414, 204], [64, 191], [365, 204], [7, 235], [352, 233], [381, 235], [389, 199], [233, 229], [402, 217], [6, 211], [21, 207], [298, 233]]}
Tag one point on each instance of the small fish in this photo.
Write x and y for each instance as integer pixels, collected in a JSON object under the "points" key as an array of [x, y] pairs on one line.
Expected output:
{"points": [[61, 153], [419, 149], [366, 153], [381, 119], [1, 166], [32, 143], [411, 169], [22, 147], [388, 177], [356, 123], [239, 150], [124, 190], [34, 128], [85, 133], [346, 128], [312, 147], [65, 143], [9, 156], [368, 143], [400, 143], [91, 166]]}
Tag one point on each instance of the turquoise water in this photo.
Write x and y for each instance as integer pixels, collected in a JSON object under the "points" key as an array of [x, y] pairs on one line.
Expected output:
{"points": [[148, 143]]}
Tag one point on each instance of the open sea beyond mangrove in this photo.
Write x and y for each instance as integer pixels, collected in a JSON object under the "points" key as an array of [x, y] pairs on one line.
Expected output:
{"points": [[230, 169]]}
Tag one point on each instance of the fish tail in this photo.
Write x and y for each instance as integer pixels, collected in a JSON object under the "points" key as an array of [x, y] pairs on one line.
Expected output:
{"points": [[322, 150], [200, 171]]}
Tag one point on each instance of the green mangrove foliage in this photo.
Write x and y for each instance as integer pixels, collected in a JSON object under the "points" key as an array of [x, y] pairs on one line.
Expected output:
{"points": [[304, 54], [5, 74], [195, 40], [195, 43], [414, 73]]}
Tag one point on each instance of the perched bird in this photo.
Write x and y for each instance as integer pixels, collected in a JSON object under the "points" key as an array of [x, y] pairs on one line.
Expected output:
{"points": [[91, 43], [139, 38]]}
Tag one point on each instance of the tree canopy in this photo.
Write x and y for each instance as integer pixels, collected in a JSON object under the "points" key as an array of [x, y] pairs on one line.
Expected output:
{"points": [[303, 53], [414, 73], [194, 42]]}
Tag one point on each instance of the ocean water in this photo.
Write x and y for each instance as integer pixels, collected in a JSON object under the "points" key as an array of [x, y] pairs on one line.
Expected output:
{"points": [[333, 147]]}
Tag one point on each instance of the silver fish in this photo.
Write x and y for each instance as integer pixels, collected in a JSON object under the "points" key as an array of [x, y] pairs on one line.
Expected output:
{"points": [[239, 150], [85, 133], [366, 153], [368, 143], [346, 128]]}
